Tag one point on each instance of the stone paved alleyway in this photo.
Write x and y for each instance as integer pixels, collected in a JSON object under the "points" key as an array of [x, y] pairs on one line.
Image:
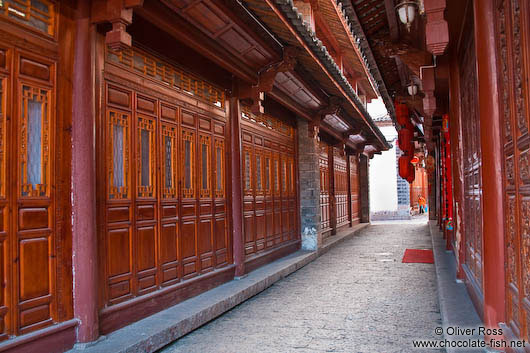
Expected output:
{"points": [[358, 297]]}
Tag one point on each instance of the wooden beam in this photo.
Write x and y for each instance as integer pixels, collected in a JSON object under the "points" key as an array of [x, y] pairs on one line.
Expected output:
{"points": [[392, 20]]}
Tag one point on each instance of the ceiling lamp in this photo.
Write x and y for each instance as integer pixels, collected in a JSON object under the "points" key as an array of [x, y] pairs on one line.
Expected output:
{"points": [[407, 11], [412, 89]]}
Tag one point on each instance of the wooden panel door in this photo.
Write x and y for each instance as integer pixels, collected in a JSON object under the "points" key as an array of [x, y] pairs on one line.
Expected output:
{"points": [[355, 192], [325, 220], [269, 179], [472, 162], [341, 188], [29, 246], [512, 31], [165, 216]]}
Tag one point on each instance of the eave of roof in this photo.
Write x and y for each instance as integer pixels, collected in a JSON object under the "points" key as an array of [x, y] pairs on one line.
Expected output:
{"points": [[295, 19]]}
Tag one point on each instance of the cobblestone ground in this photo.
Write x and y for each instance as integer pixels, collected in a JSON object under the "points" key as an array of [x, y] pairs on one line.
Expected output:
{"points": [[358, 297]]}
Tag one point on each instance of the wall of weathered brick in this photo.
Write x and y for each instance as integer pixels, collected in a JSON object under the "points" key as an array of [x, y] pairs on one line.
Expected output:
{"points": [[309, 188]]}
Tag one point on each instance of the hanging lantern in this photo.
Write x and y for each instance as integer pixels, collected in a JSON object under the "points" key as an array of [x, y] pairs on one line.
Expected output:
{"points": [[406, 12], [412, 89], [404, 162], [402, 113], [411, 174], [405, 139]]}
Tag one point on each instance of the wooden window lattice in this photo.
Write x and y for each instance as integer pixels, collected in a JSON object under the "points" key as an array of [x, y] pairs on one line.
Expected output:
{"points": [[148, 65], [169, 134], [39, 14], [268, 122], [146, 157], [35, 141], [118, 155]]}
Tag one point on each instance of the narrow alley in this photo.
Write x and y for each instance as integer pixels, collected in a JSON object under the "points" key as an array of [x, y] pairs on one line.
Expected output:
{"points": [[358, 297]]}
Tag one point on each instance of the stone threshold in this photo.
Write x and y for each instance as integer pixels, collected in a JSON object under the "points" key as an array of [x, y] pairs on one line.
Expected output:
{"points": [[160, 329], [456, 307]]}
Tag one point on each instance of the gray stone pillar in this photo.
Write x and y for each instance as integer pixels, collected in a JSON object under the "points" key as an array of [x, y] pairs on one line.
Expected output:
{"points": [[364, 189], [308, 153]]}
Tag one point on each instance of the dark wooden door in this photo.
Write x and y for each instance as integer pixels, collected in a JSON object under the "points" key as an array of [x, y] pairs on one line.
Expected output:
{"points": [[472, 161], [512, 37], [355, 192], [165, 214], [325, 219], [269, 182], [341, 188]]}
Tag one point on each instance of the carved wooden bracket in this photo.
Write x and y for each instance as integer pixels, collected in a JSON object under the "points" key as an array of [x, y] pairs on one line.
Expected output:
{"points": [[436, 28], [266, 79], [314, 127], [333, 107], [119, 14]]}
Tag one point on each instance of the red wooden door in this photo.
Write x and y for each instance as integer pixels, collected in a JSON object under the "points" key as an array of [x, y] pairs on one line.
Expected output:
{"points": [[325, 220], [341, 188], [355, 192], [269, 182], [512, 32], [165, 206], [472, 162], [34, 247]]}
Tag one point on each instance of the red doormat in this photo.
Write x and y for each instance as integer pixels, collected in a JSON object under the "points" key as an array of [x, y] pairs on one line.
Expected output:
{"points": [[418, 256]]}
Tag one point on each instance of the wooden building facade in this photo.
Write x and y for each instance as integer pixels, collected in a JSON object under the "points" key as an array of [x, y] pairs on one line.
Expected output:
{"points": [[150, 151]]}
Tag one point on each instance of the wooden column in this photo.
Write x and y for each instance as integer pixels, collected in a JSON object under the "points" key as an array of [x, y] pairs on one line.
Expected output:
{"points": [[332, 199], [490, 138], [457, 163], [237, 197], [84, 242], [364, 191]]}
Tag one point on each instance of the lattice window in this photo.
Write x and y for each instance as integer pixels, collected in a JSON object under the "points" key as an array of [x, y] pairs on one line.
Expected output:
{"points": [[220, 169], [259, 173], [247, 152], [268, 122], [276, 173], [268, 173], [148, 65], [284, 175], [39, 14], [118, 155], [146, 157], [35, 137], [292, 174], [169, 157], [188, 163], [205, 146]]}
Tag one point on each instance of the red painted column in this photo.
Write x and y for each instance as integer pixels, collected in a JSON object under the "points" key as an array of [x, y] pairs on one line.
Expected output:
{"points": [[84, 242], [237, 198], [490, 138], [332, 199]]}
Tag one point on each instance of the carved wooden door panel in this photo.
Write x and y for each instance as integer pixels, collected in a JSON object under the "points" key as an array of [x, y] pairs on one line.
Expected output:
{"points": [[341, 188], [165, 216], [325, 223], [354, 184], [472, 163], [28, 193], [511, 32], [269, 179]]}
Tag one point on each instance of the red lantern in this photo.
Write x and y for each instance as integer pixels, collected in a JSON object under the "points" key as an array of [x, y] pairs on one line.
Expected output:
{"points": [[405, 140], [412, 173], [402, 113], [404, 162]]}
